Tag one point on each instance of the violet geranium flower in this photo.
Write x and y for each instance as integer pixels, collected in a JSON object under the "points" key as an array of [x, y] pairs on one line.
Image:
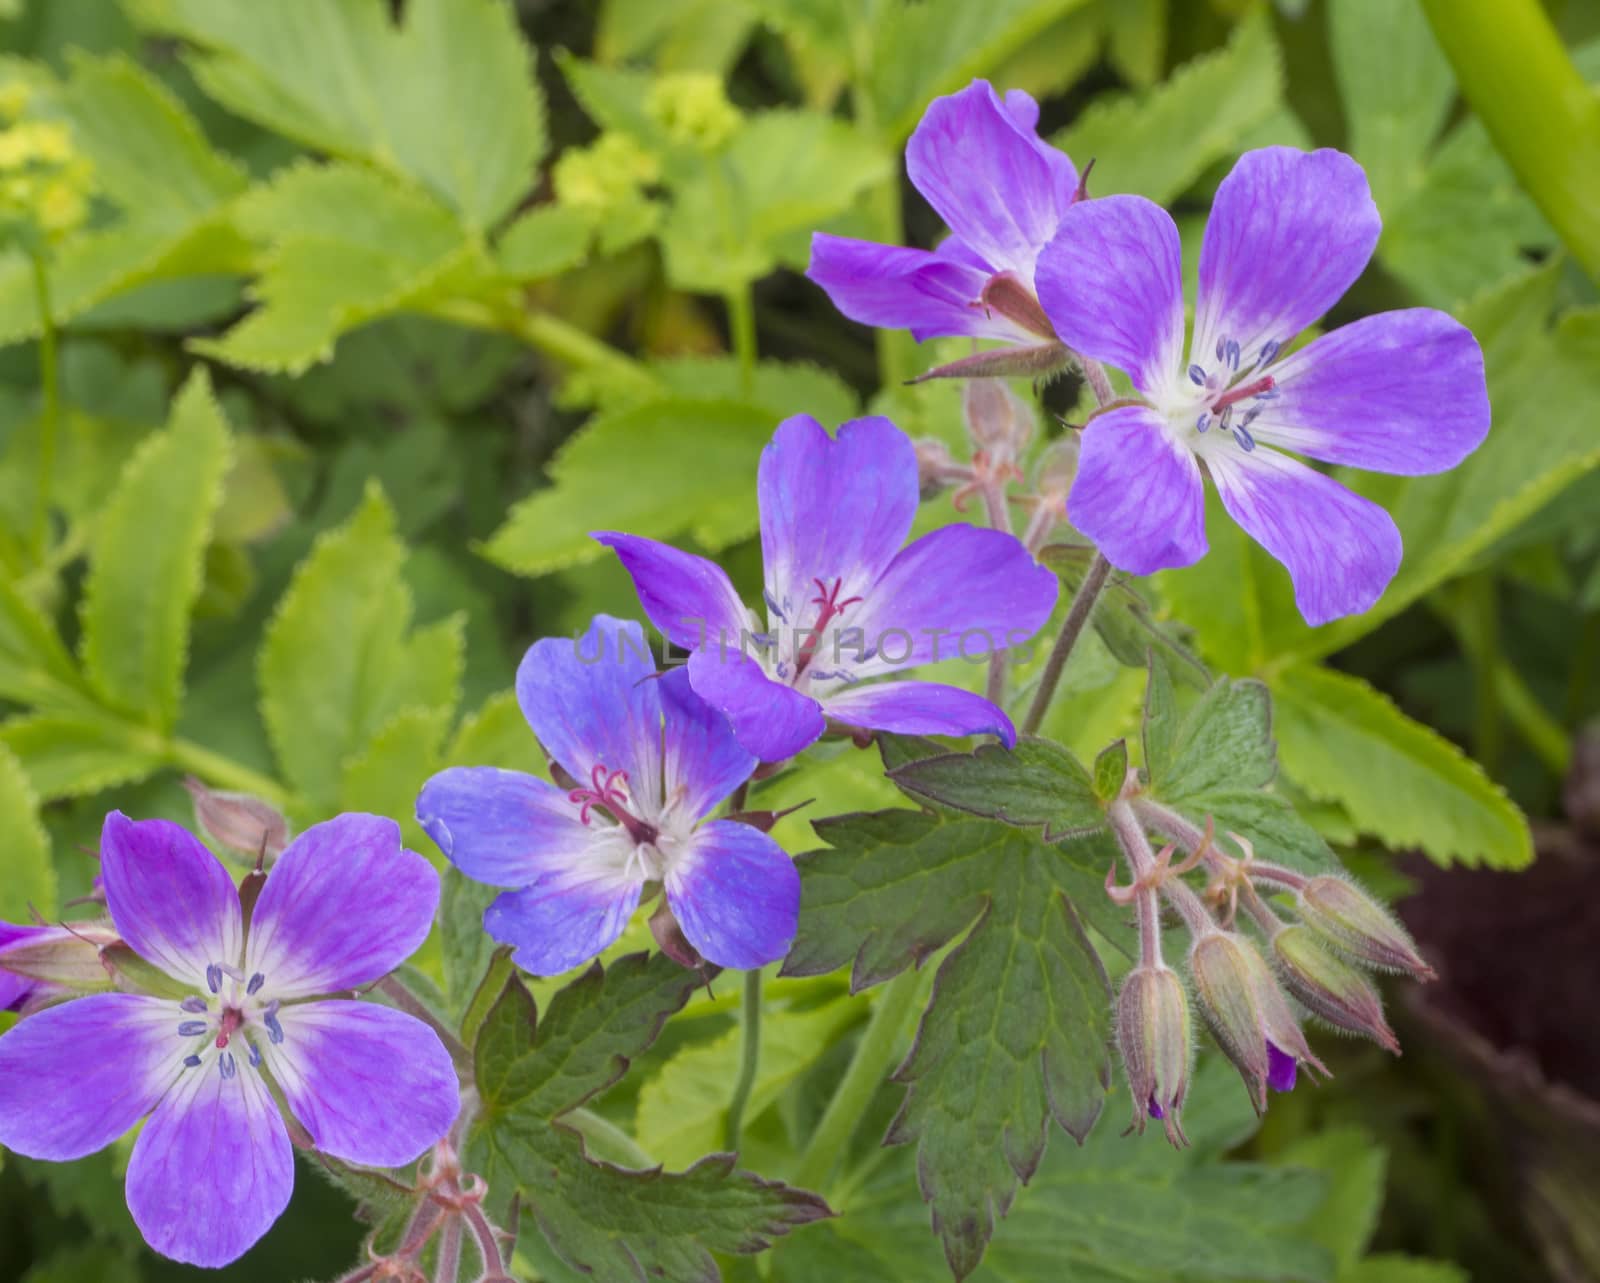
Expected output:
{"points": [[845, 601], [1001, 190], [240, 1013], [1401, 392], [651, 760]]}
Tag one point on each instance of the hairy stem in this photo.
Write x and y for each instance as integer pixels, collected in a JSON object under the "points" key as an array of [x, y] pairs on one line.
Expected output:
{"points": [[1094, 374], [447, 1265], [749, 1055], [1071, 629], [1190, 837], [874, 1058], [1130, 835], [49, 419]]}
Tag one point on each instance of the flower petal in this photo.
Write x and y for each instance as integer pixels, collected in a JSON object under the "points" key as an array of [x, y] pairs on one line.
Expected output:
{"points": [[1290, 231], [1341, 550], [343, 906], [505, 828], [702, 758], [14, 991], [212, 1169], [832, 508], [959, 590], [919, 708], [771, 720], [735, 894], [687, 597], [75, 1077], [171, 899], [593, 703], [996, 184], [1111, 282], [569, 916], [370, 1084], [1138, 493], [1281, 1068], [934, 295], [1399, 392]]}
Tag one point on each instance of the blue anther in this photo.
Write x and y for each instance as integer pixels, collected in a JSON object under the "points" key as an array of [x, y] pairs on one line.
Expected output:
{"points": [[782, 669], [1222, 348], [194, 1006], [214, 978], [1246, 442], [1250, 416], [256, 981], [1233, 354], [1197, 376], [255, 1056], [1226, 418], [1270, 394], [192, 1028], [1202, 423], [274, 1029], [1269, 349], [773, 606], [227, 1064], [192, 1062]]}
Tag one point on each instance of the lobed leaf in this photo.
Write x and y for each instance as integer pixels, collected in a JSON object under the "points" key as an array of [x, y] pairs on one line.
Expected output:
{"points": [[1037, 783], [27, 878], [76, 754]]}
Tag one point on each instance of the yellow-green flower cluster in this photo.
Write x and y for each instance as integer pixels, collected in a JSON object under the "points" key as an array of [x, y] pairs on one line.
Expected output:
{"points": [[44, 181], [608, 175], [693, 109]]}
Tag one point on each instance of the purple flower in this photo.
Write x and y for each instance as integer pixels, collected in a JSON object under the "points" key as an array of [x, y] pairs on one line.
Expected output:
{"points": [[651, 761], [1401, 392], [213, 1168], [844, 600], [1000, 189]]}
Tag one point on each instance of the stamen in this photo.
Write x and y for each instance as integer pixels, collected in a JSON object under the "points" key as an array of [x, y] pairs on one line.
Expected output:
{"points": [[1197, 376], [255, 1056], [773, 606], [1255, 388], [1222, 347], [256, 981], [232, 972], [194, 1006], [227, 1064], [191, 1062], [1269, 349], [214, 978], [1202, 423], [1232, 354], [1226, 418], [274, 1029], [192, 1028], [1242, 435]]}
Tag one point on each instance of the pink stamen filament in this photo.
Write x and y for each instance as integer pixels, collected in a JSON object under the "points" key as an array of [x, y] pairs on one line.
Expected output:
{"points": [[1233, 395], [828, 599]]}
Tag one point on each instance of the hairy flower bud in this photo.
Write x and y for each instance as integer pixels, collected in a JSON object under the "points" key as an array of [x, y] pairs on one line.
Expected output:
{"points": [[937, 469], [998, 421], [1330, 988], [239, 822], [1248, 1014], [1153, 1035], [1359, 926], [1058, 466], [68, 956]]}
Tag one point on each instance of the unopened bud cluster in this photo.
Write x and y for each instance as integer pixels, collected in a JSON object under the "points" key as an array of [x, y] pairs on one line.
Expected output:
{"points": [[693, 109], [1252, 999], [44, 181]]}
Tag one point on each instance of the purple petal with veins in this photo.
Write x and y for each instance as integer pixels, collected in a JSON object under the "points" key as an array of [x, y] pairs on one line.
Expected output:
{"points": [[1281, 1068]]}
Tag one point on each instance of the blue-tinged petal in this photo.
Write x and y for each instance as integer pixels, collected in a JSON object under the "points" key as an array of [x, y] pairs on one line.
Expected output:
{"points": [[1112, 285], [343, 906], [735, 894], [1341, 550], [75, 1077], [1281, 1069], [934, 295], [702, 759], [770, 720], [919, 708], [996, 184], [834, 510], [171, 899], [958, 591], [14, 991], [370, 1085], [1398, 392], [212, 1169], [570, 916], [501, 827], [593, 702], [688, 598], [1290, 231], [1138, 493]]}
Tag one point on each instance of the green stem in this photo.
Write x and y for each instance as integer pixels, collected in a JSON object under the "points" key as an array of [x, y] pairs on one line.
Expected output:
{"points": [[554, 337], [1071, 629], [749, 1055], [49, 380], [224, 772], [883, 202], [742, 328], [874, 1059]]}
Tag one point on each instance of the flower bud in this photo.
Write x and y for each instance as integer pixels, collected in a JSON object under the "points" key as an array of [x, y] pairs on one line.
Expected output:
{"points": [[1330, 988], [693, 108], [1248, 1014], [671, 940], [239, 822], [997, 420], [937, 469], [1153, 1035], [57, 955], [1343, 914], [1058, 466]]}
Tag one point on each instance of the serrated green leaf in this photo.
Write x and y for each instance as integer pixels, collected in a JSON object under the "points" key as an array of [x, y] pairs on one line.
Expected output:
{"points": [[1157, 144], [497, 735], [339, 660], [146, 560], [446, 99], [1111, 771], [465, 947], [1273, 827], [1021, 1005], [1037, 783], [385, 777], [35, 668], [683, 1108], [73, 755], [1223, 742], [1398, 779], [1355, 1165], [1136, 38], [543, 242], [27, 879]]}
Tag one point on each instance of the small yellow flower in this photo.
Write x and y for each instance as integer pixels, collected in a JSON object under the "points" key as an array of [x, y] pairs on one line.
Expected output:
{"points": [[694, 110], [604, 176]]}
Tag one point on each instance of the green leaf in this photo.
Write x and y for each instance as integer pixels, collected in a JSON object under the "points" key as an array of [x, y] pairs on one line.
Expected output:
{"points": [[1356, 1166], [35, 668], [147, 557], [601, 1220], [683, 1108], [497, 735], [1399, 780], [74, 755], [1111, 771], [1122, 617], [1136, 39], [27, 879], [1037, 783], [1157, 144], [447, 99], [465, 946], [1223, 742], [1390, 1268], [1022, 1005], [385, 777], [339, 659], [543, 242]]}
